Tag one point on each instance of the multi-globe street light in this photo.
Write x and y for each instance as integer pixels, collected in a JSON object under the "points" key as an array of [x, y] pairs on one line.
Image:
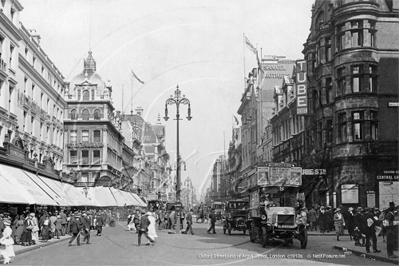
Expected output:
{"points": [[177, 99]]}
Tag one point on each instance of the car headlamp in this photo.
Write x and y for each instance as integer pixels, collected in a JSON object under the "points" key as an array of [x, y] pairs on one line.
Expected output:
{"points": [[263, 217]]}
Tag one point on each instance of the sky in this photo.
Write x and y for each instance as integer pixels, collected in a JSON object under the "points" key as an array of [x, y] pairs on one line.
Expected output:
{"points": [[197, 45]]}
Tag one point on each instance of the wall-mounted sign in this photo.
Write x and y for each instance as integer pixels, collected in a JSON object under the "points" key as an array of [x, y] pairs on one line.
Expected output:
{"points": [[393, 104], [370, 199], [85, 145], [350, 193], [314, 171], [301, 88]]}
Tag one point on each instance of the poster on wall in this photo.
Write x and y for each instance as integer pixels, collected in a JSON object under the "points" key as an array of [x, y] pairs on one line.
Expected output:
{"points": [[370, 199], [349, 193], [388, 192]]}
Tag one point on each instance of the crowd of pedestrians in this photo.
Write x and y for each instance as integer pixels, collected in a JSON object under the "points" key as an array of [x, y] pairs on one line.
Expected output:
{"points": [[364, 225]]}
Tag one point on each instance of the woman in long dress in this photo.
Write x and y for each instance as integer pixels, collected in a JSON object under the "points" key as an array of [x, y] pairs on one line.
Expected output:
{"points": [[8, 241], [152, 232], [46, 229], [26, 237], [19, 229], [131, 225]]}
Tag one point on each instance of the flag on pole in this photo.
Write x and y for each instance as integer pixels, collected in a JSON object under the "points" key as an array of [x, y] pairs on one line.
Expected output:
{"points": [[134, 75], [236, 120], [249, 45]]}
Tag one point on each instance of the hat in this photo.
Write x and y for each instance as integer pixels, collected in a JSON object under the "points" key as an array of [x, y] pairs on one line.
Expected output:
{"points": [[350, 209], [32, 214], [391, 204], [366, 209], [7, 222], [142, 212], [359, 209], [337, 210], [148, 214]]}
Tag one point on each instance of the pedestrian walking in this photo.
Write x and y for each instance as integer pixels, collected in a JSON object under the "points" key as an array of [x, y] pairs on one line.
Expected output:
{"points": [[152, 232], [53, 220], [322, 220], [100, 222], [391, 227], [349, 220], [143, 230], [35, 230], [8, 242], [369, 223], [45, 229], [86, 227], [312, 219], [212, 219], [75, 228], [339, 223], [189, 221], [58, 227], [19, 229], [359, 231], [136, 221]]}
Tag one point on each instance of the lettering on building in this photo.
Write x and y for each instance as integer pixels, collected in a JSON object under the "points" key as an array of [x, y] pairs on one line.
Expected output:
{"points": [[301, 87]]}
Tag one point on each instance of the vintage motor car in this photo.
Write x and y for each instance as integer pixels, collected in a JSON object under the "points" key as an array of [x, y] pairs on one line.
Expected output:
{"points": [[235, 216]]}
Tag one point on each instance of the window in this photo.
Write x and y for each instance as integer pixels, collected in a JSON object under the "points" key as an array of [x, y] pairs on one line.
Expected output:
{"points": [[26, 52], [357, 78], [74, 115], [85, 157], [12, 14], [73, 157], [86, 95], [34, 62], [342, 129], [373, 78], [357, 125], [310, 63], [84, 177], [373, 125], [74, 136], [96, 157], [85, 136], [97, 114], [329, 90], [92, 94], [85, 114], [320, 135], [96, 136], [341, 80], [328, 49], [11, 55], [356, 33], [32, 122], [329, 133]]}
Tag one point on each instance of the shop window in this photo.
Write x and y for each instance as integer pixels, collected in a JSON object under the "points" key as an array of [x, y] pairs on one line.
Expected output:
{"points": [[74, 136], [86, 95], [357, 78], [73, 157], [97, 136], [85, 157], [85, 114], [85, 136], [358, 125], [342, 128]]}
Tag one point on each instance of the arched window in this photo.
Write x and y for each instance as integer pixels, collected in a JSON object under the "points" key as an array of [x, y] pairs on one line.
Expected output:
{"points": [[97, 114], [85, 114], [86, 95], [74, 115]]}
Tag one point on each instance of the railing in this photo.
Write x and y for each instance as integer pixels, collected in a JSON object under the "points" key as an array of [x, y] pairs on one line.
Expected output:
{"points": [[84, 184]]}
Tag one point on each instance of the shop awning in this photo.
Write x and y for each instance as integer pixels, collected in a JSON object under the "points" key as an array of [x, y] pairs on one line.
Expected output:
{"points": [[120, 199], [140, 201], [9, 193], [77, 195], [103, 197], [26, 186], [132, 199], [44, 184], [55, 186]]}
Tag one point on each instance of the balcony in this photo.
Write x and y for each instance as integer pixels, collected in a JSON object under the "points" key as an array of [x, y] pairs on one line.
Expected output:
{"points": [[3, 69]]}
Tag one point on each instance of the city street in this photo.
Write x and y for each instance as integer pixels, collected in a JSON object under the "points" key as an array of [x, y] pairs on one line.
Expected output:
{"points": [[117, 246]]}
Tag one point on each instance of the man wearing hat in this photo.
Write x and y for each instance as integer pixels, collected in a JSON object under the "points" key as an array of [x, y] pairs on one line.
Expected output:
{"points": [[145, 222], [86, 227], [349, 220], [369, 223], [75, 228], [100, 222], [358, 224], [391, 230], [339, 223], [7, 241], [212, 218]]}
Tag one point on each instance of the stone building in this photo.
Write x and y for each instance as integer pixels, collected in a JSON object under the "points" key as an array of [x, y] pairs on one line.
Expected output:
{"points": [[95, 150], [352, 55]]}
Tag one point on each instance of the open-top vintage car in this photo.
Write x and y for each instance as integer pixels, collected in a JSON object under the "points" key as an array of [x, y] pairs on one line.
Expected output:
{"points": [[235, 216]]}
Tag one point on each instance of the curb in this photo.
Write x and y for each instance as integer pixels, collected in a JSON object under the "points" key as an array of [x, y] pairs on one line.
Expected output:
{"points": [[39, 246], [368, 255]]}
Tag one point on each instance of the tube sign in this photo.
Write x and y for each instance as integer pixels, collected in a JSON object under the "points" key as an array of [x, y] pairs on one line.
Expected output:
{"points": [[301, 88]]}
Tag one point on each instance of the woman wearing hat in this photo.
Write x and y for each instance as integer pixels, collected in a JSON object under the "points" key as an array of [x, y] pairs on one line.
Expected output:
{"points": [[26, 237], [7, 241], [339, 223]]}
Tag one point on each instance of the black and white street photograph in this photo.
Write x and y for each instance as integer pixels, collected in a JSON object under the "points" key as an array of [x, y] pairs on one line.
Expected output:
{"points": [[199, 132]]}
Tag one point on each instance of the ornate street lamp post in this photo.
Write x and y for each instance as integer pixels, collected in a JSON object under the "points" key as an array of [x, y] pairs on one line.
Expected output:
{"points": [[177, 100]]}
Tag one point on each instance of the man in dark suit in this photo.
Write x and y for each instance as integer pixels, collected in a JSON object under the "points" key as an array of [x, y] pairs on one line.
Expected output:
{"points": [[212, 218], [86, 227], [144, 228], [99, 223], [64, 222], [369, 223], [75, 227], [189, 220]]}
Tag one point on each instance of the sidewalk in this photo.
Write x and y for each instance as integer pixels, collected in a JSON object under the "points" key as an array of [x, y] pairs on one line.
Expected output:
{"points": [[18, 249], [346, 245]]}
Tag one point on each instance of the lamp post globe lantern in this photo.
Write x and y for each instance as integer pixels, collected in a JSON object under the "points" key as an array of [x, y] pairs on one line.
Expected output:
{"points": [[177, 100]]}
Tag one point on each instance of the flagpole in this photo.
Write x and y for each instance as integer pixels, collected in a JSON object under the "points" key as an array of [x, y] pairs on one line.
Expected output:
{"points": [[131, 98], [243, 52], [123, 89]]}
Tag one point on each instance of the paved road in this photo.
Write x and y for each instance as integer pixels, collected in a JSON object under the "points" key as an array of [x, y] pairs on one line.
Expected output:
{"points": [[117, 246]]}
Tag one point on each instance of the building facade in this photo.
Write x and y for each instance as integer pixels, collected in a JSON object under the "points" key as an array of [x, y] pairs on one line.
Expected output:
{"points": [[352, 57], [95, 151]]}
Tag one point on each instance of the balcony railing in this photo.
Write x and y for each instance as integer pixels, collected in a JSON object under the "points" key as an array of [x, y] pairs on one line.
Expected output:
{"points": [[84, 184]]}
